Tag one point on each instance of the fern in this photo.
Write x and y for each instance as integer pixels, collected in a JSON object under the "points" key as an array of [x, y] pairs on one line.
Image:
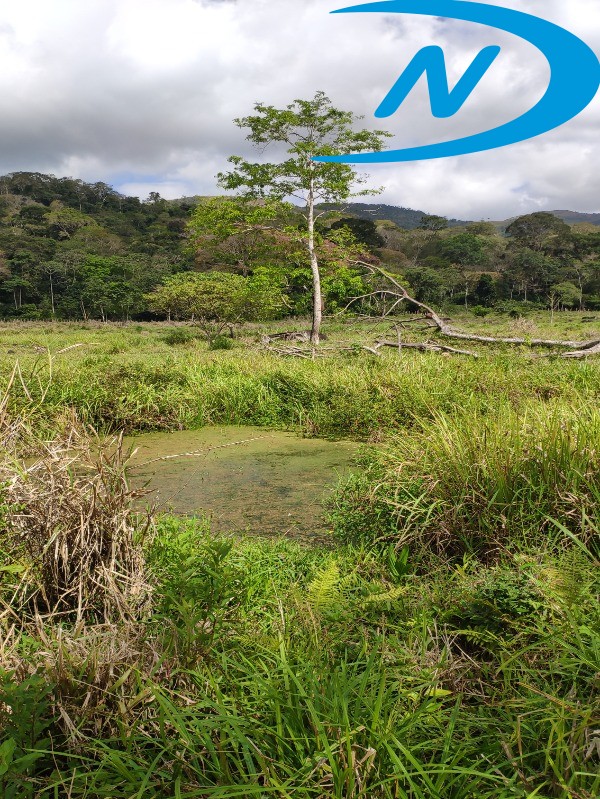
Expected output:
{"points": [[324, 592], [383, 597]]}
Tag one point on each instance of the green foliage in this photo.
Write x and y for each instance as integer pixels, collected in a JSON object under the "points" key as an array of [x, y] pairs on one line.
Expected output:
{"points": [[567, 294], [540, 231], [214, 300], [433, 222], [118, 379], [500, 602], [221, 342], [26, 716], [309, 129], [197, 589], [276, 668], [466, 249], [284, 670], [475, 483], [237, 231], [363, 230], [485, 291], [178, 335], [83, 250], [480, 311]]}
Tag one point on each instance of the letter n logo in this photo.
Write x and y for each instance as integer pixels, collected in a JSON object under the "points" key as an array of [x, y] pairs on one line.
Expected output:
{"points": [[444, 103]]}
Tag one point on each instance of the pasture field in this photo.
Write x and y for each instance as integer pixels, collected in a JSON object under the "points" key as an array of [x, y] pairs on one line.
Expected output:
{"points": [[443, 643], [160, 377]]}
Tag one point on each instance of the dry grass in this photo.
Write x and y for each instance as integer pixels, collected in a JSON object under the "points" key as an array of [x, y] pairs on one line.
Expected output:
{"points": [[68, 523]]}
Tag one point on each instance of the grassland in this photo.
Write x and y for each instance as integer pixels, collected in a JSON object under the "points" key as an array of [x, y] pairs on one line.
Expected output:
{"points": [[130, 378], [446, 645]]}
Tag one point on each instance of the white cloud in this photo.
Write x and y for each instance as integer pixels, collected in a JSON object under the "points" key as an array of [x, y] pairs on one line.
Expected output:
{"points": [[143, 92]]}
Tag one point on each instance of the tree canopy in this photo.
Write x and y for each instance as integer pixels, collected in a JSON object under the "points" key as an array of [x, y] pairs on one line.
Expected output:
{"points": [[308, 128]]}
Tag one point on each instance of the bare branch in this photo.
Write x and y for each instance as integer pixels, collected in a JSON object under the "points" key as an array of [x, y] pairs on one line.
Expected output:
{"points": [[425, 346], [580, 349]]}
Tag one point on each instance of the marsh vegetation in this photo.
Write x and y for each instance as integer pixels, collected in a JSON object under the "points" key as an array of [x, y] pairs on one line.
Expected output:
{"points": [[441, 641]]}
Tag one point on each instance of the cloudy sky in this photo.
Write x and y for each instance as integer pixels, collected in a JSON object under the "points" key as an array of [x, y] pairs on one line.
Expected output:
{"points": [[141, 94]]}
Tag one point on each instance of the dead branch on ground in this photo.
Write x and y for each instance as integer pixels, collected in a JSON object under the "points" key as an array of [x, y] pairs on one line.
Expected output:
{"points": [[578, 349]]}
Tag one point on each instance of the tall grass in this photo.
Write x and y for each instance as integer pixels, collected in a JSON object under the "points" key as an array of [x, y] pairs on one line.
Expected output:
{"points": [[475, 482], [320, 674], [352, 395], [265, 668]]}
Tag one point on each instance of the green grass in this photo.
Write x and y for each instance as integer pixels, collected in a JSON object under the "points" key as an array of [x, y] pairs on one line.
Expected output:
{"points": [[122, 378], [270, 669], [445, 645], [477, 482]]}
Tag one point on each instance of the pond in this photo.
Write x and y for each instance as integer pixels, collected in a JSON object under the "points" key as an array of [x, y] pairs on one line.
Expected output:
{"points": [[245, 479]]}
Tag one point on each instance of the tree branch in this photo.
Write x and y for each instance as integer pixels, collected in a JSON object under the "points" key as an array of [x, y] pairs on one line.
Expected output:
{"points": [[580, 349]]}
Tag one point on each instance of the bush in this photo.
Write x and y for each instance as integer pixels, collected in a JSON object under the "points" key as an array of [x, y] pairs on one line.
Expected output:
{"points": [[221, 342], [479, 311], [500, 601], [473, 483], [178, 335]]}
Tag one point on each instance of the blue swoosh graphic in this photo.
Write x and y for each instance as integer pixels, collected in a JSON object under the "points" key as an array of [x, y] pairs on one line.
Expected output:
{"points": [[574, 78]]}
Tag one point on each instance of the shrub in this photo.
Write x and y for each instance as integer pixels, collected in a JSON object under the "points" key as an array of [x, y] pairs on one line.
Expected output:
{"points": [[221, 342], [480, 310], [502, 600], [178, 335]]}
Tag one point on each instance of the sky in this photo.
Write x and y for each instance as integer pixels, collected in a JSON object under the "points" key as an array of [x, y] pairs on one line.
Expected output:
{"points": [[141, 94]]}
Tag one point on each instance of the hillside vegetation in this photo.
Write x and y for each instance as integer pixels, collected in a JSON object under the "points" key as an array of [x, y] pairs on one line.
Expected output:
{"points": [[74, 250]]}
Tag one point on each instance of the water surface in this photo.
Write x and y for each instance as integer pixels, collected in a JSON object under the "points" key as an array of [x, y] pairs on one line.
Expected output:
{"points": [[244, 478]]}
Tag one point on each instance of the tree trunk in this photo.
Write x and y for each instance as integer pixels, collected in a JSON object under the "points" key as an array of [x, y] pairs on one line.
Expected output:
{"points": [[51, 293], [580, 284], [314, 265]]}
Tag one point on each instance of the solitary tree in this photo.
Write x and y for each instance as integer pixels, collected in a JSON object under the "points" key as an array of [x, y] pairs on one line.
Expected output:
{"points": [[308, 128]]}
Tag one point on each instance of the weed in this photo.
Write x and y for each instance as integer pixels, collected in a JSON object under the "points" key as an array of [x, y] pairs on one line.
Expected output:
{"points": [[221, 342], [178, 335]]}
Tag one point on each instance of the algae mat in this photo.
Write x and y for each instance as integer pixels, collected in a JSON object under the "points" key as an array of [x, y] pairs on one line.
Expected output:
{"points": [[245, 479]]}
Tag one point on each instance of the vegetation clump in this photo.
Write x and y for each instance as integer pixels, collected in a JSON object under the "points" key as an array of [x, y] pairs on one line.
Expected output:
{"points": [[476, 483], [68, 528]]}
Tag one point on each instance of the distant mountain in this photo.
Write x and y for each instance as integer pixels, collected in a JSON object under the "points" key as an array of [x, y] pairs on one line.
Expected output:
{"points": [[570, 217], [573, 217], [409, 218], [406, 218]]}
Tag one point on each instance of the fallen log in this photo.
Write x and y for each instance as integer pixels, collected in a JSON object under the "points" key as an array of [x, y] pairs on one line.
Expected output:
{"points": [[579, 349], [584, 352], [425, 346]]}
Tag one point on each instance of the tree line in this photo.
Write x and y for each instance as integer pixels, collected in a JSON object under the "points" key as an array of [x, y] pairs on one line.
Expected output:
{"points": [[279, 244]]}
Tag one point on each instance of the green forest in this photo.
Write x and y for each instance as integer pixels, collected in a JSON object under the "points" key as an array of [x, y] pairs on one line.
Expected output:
{"points": [[74, 250]]}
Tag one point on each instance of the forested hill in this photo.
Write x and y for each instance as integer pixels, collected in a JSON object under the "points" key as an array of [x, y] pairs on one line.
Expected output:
{"points": [[82, 249], [409, 219], [406, 218], [76, 250], [575, 217]]}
